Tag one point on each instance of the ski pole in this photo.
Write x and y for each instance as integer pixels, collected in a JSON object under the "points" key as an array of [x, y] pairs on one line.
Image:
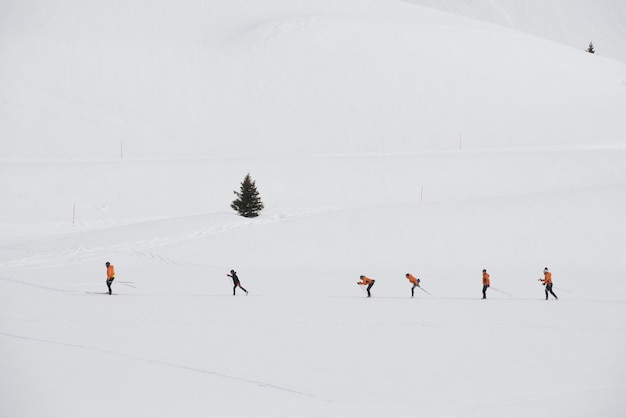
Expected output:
{"points": [[501, 291], [423, 290], [557, 288], [128, 284], [362, 288]]}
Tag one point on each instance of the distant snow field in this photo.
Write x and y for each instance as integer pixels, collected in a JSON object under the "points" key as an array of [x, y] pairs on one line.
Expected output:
{"points": [[385, 137]]}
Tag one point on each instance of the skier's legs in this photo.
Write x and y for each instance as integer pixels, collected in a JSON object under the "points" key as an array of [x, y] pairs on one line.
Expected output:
{"points": [[242, 288], [413, 290], [485, 291], [549, 289], [109, 285], [234, 288], [369, 287]]}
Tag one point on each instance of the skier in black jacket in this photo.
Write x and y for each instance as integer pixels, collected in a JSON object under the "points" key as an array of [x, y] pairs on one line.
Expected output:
{"points": [[236, 282]]}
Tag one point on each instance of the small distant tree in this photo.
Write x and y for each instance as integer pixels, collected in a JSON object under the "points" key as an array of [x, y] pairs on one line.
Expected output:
{"points": [[590, 48], [248, 203]]}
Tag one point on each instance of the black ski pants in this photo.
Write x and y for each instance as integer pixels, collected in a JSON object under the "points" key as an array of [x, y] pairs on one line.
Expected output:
{"points": [[236, 286], [485, 287], [369, 287], [109, 282], [549, 290]]}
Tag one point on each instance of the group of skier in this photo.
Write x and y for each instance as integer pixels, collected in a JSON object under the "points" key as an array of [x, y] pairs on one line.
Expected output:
{"points": [[546, 281], [111, 276], [365, 281]]}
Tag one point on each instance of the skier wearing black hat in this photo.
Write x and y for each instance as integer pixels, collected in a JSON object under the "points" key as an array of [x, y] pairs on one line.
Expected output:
{"points": [[486, 283], [236, 282], [414, 281], [110, 275], [366, 281]]}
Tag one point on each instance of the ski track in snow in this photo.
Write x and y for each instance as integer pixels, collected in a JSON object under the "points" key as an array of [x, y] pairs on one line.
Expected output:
{"points": [[55, 257], [38, 286], [169, 364]]}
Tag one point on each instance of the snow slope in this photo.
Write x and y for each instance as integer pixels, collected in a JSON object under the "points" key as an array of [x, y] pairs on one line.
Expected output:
{"points": [[570, 22], [385, 138], [312, 77]]}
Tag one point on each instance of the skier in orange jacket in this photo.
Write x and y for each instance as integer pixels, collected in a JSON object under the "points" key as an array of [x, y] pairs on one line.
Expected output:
{"points": [[547, 282], [486, 283], [110, 274], [415, 281], [367, 281]]}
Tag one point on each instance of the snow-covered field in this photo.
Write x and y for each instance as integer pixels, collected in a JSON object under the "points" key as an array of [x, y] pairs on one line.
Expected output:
{"points": [[384, 137]]}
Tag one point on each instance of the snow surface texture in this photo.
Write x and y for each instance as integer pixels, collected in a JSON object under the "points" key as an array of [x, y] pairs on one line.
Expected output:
{"points": [[384, 138]]}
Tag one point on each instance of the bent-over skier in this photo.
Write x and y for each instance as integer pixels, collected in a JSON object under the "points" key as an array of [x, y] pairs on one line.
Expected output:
{"points": [[236, 282], [367, 281], [415, 281]]}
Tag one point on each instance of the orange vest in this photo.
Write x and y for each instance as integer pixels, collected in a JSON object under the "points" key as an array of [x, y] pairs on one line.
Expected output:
{"points": [[412, 279], [110, 272], [366, 280], [547, 278], [486, 279]]}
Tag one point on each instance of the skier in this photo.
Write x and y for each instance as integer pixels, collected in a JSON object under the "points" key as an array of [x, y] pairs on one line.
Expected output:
{"points": [[486, 283], [415, 281], [369, 282], [547, 282], [236, 282], [110, 274]]}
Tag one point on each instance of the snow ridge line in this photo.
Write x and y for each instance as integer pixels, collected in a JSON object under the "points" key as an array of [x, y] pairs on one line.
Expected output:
{"points": [[71, 256], [169, 364]]}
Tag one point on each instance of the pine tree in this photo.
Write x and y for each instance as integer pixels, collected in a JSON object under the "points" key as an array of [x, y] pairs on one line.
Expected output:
{"points": [[248, 203], [590, 48]]}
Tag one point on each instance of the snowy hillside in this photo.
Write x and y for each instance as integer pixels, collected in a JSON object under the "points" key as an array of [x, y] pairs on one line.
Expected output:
{"points": [[384, 137], [217, 78], [570, 22]]}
